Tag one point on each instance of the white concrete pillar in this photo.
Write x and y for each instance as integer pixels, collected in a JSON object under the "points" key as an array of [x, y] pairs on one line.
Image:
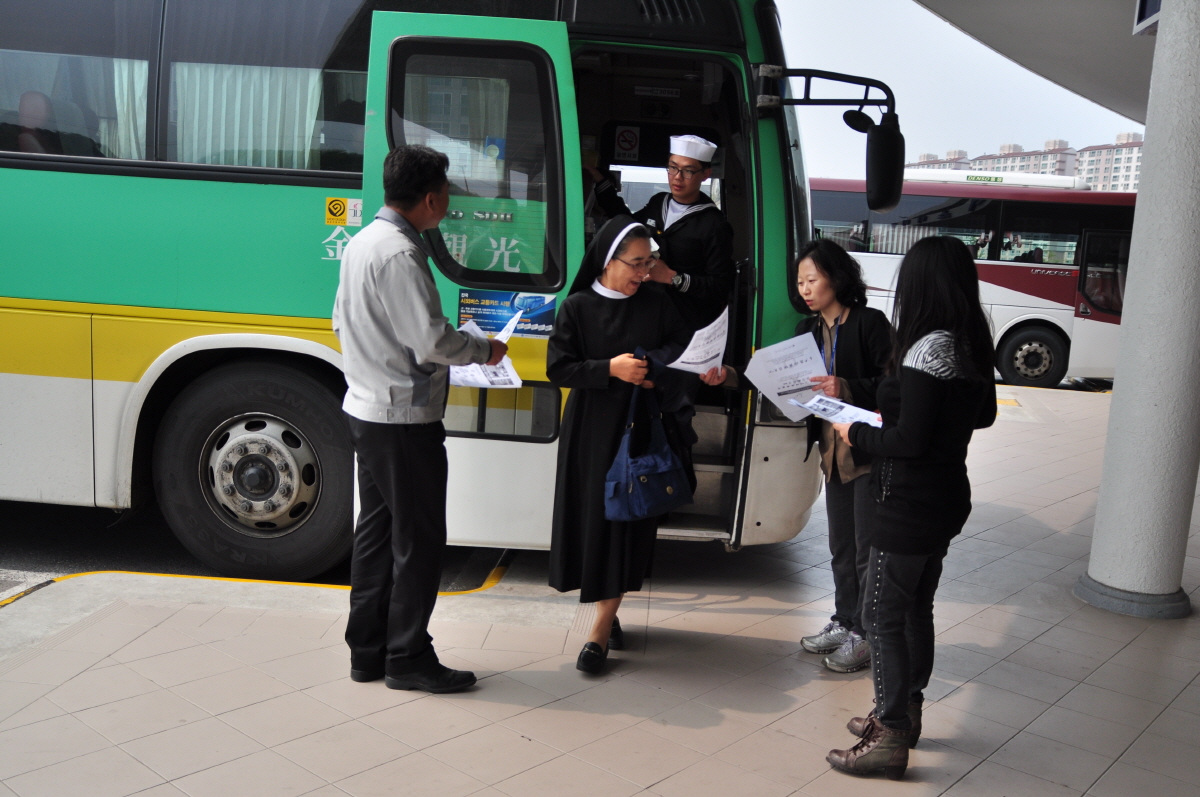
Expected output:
{"points": [[1153, 448]]}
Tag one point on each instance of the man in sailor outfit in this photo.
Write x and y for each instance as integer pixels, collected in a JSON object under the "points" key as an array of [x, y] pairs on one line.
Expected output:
{"points": [[695, 241]]}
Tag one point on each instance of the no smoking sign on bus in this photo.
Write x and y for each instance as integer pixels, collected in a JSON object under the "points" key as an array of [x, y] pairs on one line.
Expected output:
{"points": [[626, 143]]}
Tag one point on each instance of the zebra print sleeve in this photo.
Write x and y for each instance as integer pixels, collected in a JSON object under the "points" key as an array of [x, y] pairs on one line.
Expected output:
{"points": [[935, 355]]}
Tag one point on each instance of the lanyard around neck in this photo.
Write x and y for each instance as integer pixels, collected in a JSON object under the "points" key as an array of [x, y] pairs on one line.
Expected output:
{"points": [[831, 365]]}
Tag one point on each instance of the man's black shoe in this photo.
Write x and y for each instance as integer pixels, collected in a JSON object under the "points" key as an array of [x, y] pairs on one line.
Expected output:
{"points": [[439, 680], [365, 676]]}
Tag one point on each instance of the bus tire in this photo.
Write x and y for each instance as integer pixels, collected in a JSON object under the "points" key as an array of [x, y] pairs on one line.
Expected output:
{"points": [[254, 471], [1033, 357]]}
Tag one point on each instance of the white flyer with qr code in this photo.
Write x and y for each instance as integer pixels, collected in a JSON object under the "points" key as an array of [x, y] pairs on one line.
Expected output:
{"points": [[503, 375]]}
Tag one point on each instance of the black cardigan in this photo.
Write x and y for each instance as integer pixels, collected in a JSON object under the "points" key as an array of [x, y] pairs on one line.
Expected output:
{"points": [[864, 346], [919, 482]]}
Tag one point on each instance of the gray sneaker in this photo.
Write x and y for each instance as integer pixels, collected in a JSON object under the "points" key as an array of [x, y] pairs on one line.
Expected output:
{"points": [[827, 640], [854, 654]]}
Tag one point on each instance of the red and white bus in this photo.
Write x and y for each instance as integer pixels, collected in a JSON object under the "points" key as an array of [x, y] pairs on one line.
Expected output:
{"points": [[1052, 260]]}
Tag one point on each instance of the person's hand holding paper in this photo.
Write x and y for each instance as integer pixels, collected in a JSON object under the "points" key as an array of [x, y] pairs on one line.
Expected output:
{"points": [[785, 373], [499, 372], [706, 349]]}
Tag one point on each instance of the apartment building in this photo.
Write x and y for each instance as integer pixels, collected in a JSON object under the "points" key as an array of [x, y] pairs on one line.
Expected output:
{"points": [[1056, 158], [1112, 167], [955, 159]]}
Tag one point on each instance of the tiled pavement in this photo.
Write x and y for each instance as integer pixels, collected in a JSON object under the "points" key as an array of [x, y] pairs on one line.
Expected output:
{"points": [[1034, 693]]}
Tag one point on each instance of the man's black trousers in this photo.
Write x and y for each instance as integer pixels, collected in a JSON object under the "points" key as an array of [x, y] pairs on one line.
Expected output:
{"points": [[398, 545]]}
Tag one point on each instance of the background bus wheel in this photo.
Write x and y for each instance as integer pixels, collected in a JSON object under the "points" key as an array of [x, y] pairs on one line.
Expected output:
{"points": [[1033, 357], [253, 469]]}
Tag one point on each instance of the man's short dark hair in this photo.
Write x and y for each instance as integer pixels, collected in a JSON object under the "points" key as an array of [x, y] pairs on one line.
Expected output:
{"points": [[410, 172]]}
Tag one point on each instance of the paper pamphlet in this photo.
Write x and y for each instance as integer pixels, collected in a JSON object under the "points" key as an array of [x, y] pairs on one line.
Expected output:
{"points": [[836, 411], [707, 347], [501, 375], [506, 333], [785, 371]]}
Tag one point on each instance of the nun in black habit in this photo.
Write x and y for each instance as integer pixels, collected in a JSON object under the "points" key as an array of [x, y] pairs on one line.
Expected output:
{"points": [[606, 316]]}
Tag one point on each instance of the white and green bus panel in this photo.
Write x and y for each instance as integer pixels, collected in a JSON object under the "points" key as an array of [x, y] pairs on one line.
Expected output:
{"points": [[185, 174]]}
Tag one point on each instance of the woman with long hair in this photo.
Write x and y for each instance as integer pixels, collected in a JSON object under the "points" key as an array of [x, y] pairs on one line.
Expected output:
{"points": [[605, 318], [940, 387], [855, 343]]}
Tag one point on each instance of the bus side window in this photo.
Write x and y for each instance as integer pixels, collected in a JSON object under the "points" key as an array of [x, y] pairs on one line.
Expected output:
{"points": [[491, 109], [841, 216], [275, 83], [1040, 232], [74, 76], [530, 413], [916, 217], [1106, 263]]}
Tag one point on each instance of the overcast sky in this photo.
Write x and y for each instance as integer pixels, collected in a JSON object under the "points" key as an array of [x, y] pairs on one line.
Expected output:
{"points": [[951, 91]]}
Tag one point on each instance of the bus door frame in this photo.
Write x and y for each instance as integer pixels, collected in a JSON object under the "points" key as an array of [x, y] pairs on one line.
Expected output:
{"points": [[500, 491], [1095, 332], [742, 417]]}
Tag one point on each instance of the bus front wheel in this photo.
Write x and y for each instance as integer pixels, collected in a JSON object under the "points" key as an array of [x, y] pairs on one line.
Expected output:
{"points": [[253, 470], [1033, 357]]}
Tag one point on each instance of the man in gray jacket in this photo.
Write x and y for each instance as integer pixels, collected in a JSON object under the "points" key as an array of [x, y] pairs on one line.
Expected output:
{"points": [[396, 349]]}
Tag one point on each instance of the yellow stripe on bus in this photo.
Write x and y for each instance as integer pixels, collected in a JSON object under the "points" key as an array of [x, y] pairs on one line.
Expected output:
{"points": [[118, 343], [125, 347], [87, 308], [45, 344]]}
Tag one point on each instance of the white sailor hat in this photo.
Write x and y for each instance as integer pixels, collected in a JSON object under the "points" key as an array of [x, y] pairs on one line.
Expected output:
{"points": [[693, 147]]}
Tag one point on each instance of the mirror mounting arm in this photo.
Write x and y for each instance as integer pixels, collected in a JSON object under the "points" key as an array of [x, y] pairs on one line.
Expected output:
{"points": [[885, 142], [770, 72]]}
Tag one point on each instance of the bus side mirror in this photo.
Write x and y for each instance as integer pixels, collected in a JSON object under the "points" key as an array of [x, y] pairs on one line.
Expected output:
{"points": [[885, 164], [885, 158]]}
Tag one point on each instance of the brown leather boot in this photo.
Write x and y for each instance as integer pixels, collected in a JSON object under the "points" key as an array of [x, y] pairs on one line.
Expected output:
{"points": [[881, 748], [858, 725]]}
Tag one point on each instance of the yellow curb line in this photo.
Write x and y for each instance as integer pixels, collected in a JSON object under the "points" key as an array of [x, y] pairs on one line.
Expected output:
{"points": [[492, 580]]}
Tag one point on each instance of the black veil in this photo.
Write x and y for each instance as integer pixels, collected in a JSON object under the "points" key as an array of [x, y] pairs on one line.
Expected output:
{"points": [[599, 252]]}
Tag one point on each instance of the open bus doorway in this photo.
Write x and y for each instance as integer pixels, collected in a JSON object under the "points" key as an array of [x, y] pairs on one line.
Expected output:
{"points": [[630, 102]]}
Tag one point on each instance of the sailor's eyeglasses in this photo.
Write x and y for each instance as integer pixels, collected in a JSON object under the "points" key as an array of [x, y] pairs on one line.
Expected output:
{"points": [[675, 171]]}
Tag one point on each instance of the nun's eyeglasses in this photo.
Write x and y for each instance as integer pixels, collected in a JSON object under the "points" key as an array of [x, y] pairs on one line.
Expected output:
{"points": [[645, 265], [675, 171]]}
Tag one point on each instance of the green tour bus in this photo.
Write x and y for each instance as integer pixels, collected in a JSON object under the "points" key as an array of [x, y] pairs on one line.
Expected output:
{"points": [[189, 172]]}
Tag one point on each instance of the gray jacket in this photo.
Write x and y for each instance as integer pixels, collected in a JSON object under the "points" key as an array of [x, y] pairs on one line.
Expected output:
{"points": [[396, 344]]}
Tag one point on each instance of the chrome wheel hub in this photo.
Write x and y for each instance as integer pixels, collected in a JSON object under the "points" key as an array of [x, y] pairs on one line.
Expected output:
{"points": [[261, 475], [1033, 359]]}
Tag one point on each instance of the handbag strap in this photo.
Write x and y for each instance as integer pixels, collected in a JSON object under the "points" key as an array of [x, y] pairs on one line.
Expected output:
{"points": [[650, 399]]}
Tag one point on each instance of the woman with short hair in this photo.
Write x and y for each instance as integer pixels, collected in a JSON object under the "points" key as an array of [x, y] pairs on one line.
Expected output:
{"points": [[855, 343]]}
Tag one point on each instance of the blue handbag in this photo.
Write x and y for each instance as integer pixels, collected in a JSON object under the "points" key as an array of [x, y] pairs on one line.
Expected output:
{"points": [[648, 485]]}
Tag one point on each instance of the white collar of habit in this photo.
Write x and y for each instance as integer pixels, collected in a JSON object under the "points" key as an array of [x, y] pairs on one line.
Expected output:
{"points": [[607, 293]]}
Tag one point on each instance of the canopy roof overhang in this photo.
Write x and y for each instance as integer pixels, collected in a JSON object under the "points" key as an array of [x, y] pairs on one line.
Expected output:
{"points": [[1085, 47]]}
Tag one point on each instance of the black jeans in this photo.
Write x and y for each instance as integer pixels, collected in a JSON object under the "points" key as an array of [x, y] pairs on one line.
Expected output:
{"points": [[398, 545], [898, 615], [848, 506]]}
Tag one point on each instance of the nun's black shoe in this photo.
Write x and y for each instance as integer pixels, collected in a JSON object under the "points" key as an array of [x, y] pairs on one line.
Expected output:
{"points": [[616, 637], [591, 658]]}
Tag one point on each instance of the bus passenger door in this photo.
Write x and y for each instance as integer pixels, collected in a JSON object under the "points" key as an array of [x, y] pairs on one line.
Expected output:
{"points": [[1099, 298], [496, 96]]}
